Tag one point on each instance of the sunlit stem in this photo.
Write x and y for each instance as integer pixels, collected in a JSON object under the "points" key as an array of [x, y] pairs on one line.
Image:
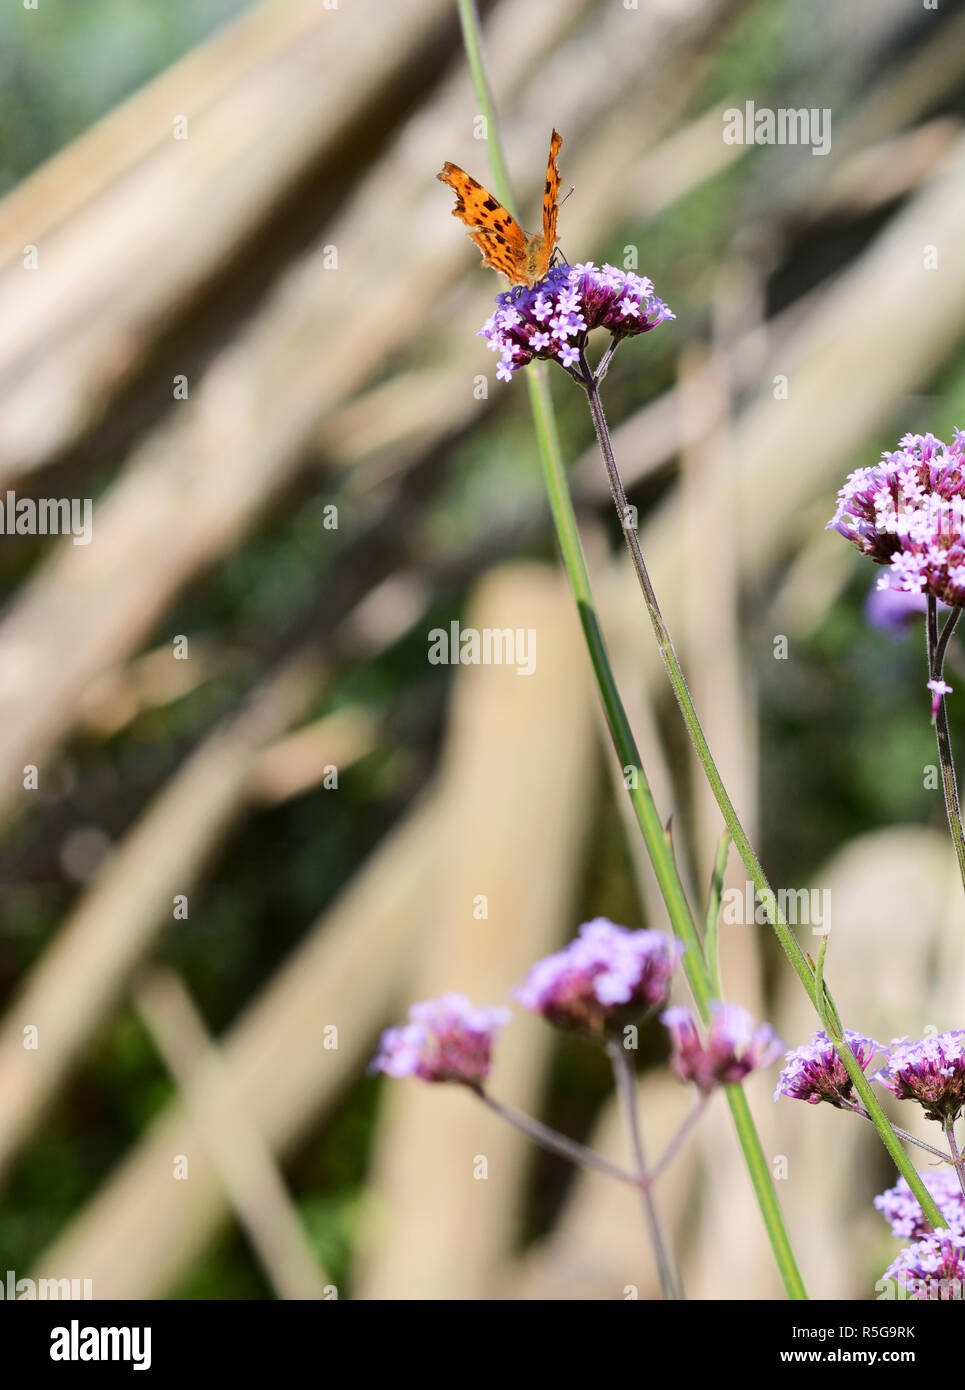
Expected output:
{"points": [[937, 647]]}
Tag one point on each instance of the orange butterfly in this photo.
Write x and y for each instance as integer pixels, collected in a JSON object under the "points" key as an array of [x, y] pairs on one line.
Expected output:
{"points": [[522, 258]]}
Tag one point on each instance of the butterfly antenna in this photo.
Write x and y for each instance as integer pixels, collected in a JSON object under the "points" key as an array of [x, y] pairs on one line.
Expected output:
{"points": [[563, 200]]}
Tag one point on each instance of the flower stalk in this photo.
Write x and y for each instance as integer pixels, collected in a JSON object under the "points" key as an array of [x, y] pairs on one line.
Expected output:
{"points": [[590, 382], [665, 869], [937, 647], [712, 916], [812, 980], [957, 1160], [553, 1141], [626, 1088]]}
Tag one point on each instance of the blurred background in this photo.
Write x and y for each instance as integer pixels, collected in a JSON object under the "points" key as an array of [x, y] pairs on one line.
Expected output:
{"points": [[246, 822]]}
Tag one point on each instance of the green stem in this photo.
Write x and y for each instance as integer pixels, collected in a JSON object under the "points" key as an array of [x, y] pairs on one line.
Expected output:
{"points": [[813, 982], [902, 1134], [678, 909], [937, 646], [712, 919], [835, 1031], [641, 797], [658, 848], [473, 44], [679, 685], [760, 1175]]}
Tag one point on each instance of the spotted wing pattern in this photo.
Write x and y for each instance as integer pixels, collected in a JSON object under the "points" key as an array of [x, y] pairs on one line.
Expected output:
{"points": [[551, 193], [523, 259], [495, 231]]}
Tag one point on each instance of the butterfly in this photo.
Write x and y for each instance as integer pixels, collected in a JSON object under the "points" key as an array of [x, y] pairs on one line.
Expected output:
{"points": [[522, 258]]}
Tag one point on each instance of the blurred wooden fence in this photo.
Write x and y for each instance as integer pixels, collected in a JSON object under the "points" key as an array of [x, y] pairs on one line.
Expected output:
{"points": [[286, 257]]}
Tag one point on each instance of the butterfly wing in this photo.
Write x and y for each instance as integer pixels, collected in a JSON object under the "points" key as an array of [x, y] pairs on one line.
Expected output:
{"points": [[551, 193], [495, 231]]}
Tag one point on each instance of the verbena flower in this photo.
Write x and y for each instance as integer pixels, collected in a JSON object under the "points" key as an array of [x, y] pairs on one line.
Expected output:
{"points": [[446, 1039], [735, 1045], [902, 1210], [607, 976], [552, 319], [893, 610], [908, 512], [930, 1071], [932, 1268], [815, 1072]]}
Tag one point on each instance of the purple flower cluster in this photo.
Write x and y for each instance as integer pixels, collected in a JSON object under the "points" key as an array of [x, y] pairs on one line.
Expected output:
{"points": [[902, 1210], [446, 1039], [930, 1071], [932, 1268], [908, 512], [606, 977], [552, 319], [735, 1045], [815, 1072]]}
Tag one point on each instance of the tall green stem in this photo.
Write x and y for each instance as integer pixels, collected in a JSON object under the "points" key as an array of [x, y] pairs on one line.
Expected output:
{"points": [[638, 788], [648, 818], [937, 646], [679, 685], [646, 812], [813, 981], [712, 916], [472, 42], [658, 847]]}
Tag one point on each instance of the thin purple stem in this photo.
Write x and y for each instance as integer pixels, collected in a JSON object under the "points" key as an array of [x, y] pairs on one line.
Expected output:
{"points": [[604, 362], [626, 1087], [902, 1134], [673, 1147], [954, 1151], [555, 1142]]}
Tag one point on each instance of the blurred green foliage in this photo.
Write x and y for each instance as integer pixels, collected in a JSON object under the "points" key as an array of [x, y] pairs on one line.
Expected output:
{"points": [[68, 62], [845, 724]]}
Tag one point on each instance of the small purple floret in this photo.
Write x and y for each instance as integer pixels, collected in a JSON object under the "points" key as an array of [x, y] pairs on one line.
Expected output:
{"points": [[815, 1072], [933, 1268], [930, 1071], [902, 1210], [446, 1039], [552, 319], [606, 976], [735, 1045], [908, 512]]}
